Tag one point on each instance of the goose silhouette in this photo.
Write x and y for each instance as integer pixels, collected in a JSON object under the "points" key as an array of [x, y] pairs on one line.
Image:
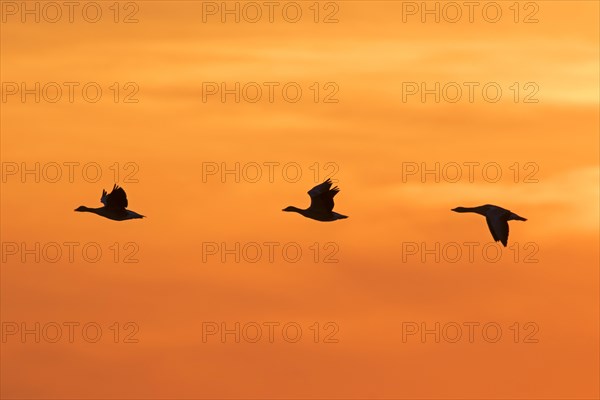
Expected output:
{"points": [[115, 205], [497, 219], [321, 203]]}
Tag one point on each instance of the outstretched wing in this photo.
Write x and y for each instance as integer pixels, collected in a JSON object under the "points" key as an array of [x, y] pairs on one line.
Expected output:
{"points": [[116, 200], [498, 225], [321, 196]]}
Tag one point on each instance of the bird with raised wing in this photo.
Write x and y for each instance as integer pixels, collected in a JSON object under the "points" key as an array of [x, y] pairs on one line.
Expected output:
{"points": [[115, 206], [321, 203], [497, 219]]}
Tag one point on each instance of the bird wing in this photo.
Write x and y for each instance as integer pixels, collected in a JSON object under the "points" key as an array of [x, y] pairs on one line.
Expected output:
{"points": [[321, 196], [103, 197], [498, 225], [116, 200]]}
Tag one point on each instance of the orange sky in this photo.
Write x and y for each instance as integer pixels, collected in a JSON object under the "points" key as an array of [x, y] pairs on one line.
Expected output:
{"points": [[370, 294]]}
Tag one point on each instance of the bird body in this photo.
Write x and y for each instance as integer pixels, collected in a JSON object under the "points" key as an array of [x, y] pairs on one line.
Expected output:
{"points": [[114, 208], [321, 204], [497, 219]]}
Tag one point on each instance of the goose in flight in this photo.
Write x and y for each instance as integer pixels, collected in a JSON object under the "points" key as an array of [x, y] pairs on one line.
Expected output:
{"points": [[115, 204], [321, 203], [497, 219]]}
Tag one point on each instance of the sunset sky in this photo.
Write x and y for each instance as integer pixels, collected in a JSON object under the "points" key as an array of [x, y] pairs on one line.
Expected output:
{"points": [[174, 145]]}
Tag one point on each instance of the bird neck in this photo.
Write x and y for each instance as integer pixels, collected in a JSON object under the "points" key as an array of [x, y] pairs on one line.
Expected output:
{"points": [[92, 210], [478, 210]]}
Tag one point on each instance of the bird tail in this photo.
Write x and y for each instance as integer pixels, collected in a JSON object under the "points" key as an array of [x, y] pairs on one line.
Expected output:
{"points": [[516, 217]]}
